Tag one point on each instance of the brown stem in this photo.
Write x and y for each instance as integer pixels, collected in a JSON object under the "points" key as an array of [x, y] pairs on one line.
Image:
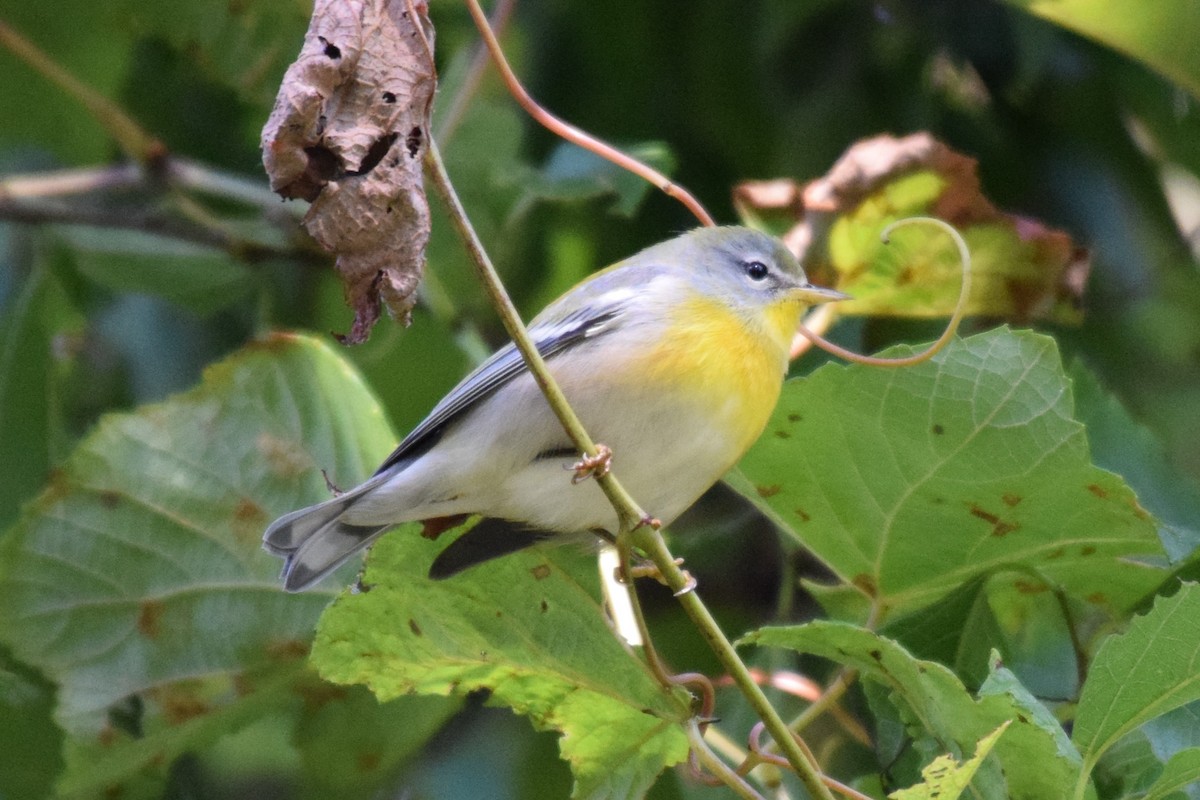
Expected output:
{"points": [[573, 134], [960, 310]]}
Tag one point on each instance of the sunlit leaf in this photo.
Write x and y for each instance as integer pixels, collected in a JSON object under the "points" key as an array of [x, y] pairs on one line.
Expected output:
{"points": [[1152, 34], [946, 779], [522, 627]]}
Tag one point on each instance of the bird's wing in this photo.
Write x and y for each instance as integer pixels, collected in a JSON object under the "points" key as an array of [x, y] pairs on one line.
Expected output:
{"points": [[552, 337]]}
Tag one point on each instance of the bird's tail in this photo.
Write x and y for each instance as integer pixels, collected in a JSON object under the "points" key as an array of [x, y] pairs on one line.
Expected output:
{"points": [[315, 541]]}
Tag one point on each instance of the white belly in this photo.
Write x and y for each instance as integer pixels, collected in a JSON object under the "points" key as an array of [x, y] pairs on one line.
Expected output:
{"points": [[666, 453]]}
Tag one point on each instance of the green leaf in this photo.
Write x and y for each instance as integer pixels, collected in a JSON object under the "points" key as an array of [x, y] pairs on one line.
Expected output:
{"points": [[137, 579], [918, 273], [192, 716], [572, 173], [244, 45], [1015, 614], [527, 630], [35, 328], [1127, 769], [30, 742], [1120, 444], [958, 630], [911, 482], [946, 779], [1181, 772], [201, 278], [1002, 682], [351, 747], [1150, 33], [79, 36], [1150, 669], [1035, 758]]}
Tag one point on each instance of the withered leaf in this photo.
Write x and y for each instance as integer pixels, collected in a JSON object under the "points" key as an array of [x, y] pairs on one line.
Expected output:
{"points": [[1022, 269], [348, 132]]}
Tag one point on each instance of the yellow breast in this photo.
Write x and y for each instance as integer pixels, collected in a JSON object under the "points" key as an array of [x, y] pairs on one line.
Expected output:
{"points": [[728, 367]]}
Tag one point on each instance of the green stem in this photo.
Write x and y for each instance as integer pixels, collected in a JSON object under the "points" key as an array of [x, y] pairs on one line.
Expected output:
{"points": [[630, 515], [650, 541], [713, 763]]}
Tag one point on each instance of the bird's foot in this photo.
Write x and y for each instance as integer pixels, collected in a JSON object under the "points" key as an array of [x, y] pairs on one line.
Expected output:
{"points": [[596, 466]]}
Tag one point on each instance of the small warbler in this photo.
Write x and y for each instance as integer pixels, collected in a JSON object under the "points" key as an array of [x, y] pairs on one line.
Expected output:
{"points": [[674, 358]]}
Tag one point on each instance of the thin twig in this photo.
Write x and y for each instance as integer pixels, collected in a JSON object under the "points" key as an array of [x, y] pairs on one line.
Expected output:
{"points": [[764, 773], [628, 512], [42, 212], [205, 179], [650, 541], [449, 120], [828, 701], [960, 309], [713, 763], [129, 136], [58, 183], [624, 552], [575, 135]]}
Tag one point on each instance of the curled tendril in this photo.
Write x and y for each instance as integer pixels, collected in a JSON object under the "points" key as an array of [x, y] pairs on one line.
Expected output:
{"points": [[960, 309]]}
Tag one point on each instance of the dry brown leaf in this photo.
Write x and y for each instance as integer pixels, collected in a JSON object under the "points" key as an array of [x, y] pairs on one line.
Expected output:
{"points": [[1024, 269], [348, 133]]}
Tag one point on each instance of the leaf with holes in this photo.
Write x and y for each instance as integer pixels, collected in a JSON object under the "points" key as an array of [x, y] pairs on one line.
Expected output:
{"points": [[348, 133], [525, 629], [947, 779]]}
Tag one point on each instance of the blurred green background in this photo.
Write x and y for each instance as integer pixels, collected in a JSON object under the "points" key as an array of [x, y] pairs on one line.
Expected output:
{"points": [[1082, 134]]}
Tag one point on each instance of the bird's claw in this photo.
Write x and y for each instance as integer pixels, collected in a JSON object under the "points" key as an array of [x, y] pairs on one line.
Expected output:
{"points": [[649, 570], [596, 466]]}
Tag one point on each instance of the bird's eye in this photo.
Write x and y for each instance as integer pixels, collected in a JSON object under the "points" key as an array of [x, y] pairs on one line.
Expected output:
{"points": [[757, 270]]}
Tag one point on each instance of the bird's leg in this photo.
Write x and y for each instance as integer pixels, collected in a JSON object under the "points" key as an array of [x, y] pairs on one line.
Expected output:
{"points": [[596, 466], [647, 569]]}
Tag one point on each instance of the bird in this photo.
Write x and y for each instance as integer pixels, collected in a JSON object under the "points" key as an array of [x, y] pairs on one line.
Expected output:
{"points": [[673, 358]]}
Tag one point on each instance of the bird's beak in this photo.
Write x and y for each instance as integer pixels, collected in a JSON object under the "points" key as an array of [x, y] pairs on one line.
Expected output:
{"points": [[813, 295]]}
